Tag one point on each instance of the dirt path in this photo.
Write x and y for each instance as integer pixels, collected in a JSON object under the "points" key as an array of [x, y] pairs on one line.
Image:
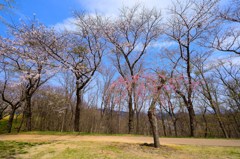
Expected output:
{"points": [[123, 139]]}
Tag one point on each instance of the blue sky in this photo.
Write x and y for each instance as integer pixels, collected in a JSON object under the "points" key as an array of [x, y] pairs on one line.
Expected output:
{"points": [[60, 12], [48, 12]]}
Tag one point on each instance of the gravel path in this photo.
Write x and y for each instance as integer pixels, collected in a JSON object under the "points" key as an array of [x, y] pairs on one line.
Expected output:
{"points": [[124, 139]]}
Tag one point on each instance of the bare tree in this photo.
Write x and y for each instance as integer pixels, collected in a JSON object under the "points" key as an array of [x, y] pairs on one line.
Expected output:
{"points": [[226, 34], [226, 41], [167, 103], [229, 75], [231, 12], [6, 4], [129, 36], [209, 89], [67, 80], [189, 22], [106, 93]]}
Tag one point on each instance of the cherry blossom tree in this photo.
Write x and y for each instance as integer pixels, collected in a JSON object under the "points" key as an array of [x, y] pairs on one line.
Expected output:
{"points": [[25, 54], [148, 87], [82, 55]]}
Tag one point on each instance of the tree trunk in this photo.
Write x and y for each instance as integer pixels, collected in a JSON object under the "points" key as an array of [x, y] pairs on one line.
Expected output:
{"points": [[131, 115], [111, 119], [20, 126], [189, 106], [64, 120], [206, 123], [221, 124], [189, 92], [236, 123], [216, 110], [191, 120], [163, 123], [77, 110], [1, 112], [10, 120], [138, 122], [119, 117], [175, 127], [28, 112], [153, 122]]}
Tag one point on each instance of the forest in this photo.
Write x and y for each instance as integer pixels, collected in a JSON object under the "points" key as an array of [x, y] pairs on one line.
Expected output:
{"points": [[143, 71]]}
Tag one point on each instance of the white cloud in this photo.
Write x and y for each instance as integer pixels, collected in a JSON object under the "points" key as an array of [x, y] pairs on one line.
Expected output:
{"points": [[111, 7], [220, 58], [162, 44], [67, 24], [235, 60]]}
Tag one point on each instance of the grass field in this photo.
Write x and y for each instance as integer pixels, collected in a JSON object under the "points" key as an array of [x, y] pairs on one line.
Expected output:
{"points": [[66, 146], [109, 150], [9, 149]]}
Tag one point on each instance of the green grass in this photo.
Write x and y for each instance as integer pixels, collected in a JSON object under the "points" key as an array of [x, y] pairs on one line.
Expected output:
{"points": [[114, 150], [101, 150], [209, 151], [8, 149]]}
